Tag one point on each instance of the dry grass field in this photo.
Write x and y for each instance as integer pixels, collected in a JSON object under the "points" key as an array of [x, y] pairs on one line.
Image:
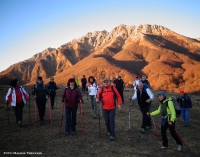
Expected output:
{"points": [[47, 139]]}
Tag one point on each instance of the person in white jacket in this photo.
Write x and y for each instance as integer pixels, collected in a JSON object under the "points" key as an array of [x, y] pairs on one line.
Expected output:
{"points": [[17, 96], [92, 91]]}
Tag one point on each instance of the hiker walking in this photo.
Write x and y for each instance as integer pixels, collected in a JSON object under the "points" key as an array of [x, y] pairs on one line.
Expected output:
{"points": [[17, 96], [51, 86], [41, 94], [71, 97], [166, 108], [84, 82], [107, 94], [135, 83], [185, 106], [92, 91], [144, 97], [119, 84], [145, 81]]}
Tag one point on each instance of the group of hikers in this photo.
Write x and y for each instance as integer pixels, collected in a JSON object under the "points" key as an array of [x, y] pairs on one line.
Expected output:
{"points": [[111, 97]]}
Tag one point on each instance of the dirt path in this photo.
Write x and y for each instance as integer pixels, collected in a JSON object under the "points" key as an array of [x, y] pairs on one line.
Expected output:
{"points": [[48, 140]]}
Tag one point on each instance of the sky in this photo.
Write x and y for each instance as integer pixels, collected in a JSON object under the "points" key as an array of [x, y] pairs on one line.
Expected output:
{"points": [[28, 27]]}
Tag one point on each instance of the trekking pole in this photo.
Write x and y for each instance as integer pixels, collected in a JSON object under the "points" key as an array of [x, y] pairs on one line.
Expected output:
{"points": [[154, 127], [35, 109], [181, 139], [82, 118], [29, 109], [99, 122], [50, 111], [62, 117], [8, 113], [129, 116], [56, 100]]}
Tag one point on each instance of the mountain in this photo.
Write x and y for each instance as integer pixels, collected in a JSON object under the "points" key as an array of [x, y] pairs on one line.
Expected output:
{"points": [[170, 60]]}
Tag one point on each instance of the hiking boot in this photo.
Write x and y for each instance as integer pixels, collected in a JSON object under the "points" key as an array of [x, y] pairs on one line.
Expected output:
{"points": [[95, 116], [108, 133], [163, 147], [111, 138], [41, 122], [180, 147], [142, 130], [66, 133], [19, 123], [73, 132], [149, 128]]}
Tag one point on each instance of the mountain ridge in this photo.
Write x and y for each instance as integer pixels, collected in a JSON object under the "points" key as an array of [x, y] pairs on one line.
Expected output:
{"points": [[130, 50]]}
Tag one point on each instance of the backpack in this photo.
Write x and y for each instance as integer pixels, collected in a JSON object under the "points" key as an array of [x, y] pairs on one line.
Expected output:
{"points": [[176, 107], [34, 87]]}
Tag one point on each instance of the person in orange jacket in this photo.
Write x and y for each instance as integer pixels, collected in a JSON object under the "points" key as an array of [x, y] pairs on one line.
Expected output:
{"points": [[108, 94]]}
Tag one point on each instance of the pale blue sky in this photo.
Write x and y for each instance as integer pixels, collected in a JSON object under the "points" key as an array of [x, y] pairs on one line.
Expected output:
{"points": [[28, 27]]}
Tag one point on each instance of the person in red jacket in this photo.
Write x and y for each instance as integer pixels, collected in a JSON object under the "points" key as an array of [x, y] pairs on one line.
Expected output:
{"points": [[17, 96], [108, 94], [71, 96]]}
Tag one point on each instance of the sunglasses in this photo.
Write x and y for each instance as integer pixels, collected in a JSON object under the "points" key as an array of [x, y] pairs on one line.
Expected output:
{"points": [[105, 81]]}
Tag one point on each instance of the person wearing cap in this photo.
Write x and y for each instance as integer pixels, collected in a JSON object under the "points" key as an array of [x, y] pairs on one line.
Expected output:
{"points": [[52, 90], [107, 94], [144, 97], [41, 94], [166, 108], [185, 106], [17, 96], [71, 97], [135, 83], [119, 84]]}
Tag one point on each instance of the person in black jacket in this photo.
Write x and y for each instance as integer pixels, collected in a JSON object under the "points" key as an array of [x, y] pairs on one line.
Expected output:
{"points": [[144, 97], [119, 84], [185, 106], [41, 94], [84, 82], [52, 91]]}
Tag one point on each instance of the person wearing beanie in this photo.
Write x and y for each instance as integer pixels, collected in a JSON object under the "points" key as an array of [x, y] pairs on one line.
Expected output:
{"points": [[52, 90], [17, 96], [185, 106], [166, 108], [144, 97], [71, 97], [41, 94]]}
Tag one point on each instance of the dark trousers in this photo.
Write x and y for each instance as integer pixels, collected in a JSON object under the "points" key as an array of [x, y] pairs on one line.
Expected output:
{"points": [[41, 104], [83, 87], [172, 132], [121, 94], [52, 96], [18, 109], [70, 113], [146, 120], [109, 117]]}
